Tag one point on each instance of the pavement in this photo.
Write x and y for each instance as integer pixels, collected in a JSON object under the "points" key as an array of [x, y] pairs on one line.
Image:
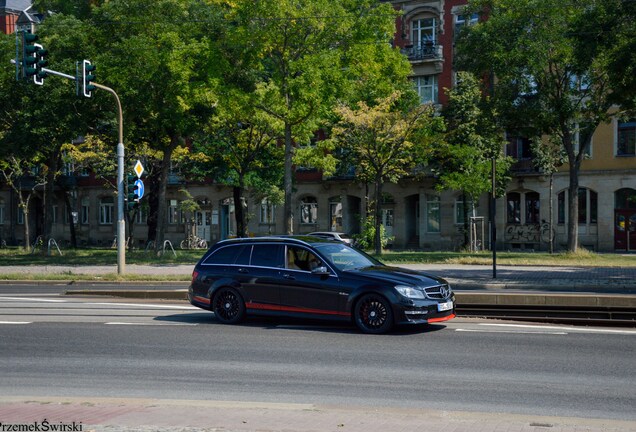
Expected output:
{"points": [[519, 284]]}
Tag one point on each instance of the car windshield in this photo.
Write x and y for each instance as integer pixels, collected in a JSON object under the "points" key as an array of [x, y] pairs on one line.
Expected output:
{"points": [[345, 258]]}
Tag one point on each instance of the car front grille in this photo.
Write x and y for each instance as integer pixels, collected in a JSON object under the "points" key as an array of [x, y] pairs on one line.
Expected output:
{"points": [[439, 292]]}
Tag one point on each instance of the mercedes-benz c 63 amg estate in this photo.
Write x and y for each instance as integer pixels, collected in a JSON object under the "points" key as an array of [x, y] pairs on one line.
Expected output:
{"points": [[314, 277]]}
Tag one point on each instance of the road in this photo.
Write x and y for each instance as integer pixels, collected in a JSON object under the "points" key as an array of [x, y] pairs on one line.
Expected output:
{"points": [[52, 346]]}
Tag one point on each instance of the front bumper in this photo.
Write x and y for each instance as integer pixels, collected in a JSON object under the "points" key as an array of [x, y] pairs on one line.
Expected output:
{"points": [[423, 312]]}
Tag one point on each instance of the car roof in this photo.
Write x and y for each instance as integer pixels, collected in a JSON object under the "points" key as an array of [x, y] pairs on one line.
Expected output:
{"points": [[300, 239]]}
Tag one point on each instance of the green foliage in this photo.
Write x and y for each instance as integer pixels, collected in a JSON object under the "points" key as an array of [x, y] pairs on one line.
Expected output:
{"points": [[463, 161], [366, 239]]}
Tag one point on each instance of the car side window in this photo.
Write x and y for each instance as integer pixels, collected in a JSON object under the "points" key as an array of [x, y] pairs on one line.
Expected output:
{"points": [[301, 259], [244, 257], [225, 255], [268, 255]]}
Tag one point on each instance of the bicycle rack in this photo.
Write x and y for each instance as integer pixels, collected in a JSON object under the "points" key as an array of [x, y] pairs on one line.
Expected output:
{"points": [[54, 243], [169, 244], [38, 241]]}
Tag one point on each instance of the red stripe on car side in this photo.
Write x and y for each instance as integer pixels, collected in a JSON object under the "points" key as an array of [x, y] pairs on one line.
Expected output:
{"points": [[201, 300], [261, 306], [446, 318]]}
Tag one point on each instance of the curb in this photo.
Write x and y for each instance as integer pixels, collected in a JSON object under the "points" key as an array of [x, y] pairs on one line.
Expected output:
{"points": [[462, 298]]}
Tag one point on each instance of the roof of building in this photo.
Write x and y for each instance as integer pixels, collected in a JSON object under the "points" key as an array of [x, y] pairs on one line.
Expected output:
{"points": [[14, 5]]}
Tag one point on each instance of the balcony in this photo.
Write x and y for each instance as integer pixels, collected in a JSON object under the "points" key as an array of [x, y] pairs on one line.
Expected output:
{"points": [[419, 53]]}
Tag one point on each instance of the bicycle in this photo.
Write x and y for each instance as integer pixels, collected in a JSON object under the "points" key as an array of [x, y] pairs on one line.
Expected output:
{"points": [[193, 242]]}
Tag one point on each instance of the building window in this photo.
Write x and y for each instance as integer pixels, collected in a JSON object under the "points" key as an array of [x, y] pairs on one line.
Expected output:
{"points": [[462, 21], [2, 212], [309, 211], [533, 208], [267, 212], [513, 206], [459, 210], [106, 210], [54, 213], [426, 87], [626, 138], [424, 31], [84, 216], [141, 216], [173, 212], [624, 199], [561, 207], [433, 219], [20, 216], [588, 206], [519, 148]]}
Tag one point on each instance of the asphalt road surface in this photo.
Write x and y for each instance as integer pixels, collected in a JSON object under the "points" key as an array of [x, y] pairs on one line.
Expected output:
{"points": [[52, 346]]}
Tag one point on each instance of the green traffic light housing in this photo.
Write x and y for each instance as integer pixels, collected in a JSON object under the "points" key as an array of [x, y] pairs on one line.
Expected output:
{"points": [[88, 76], [133, 192], [29, 54]]}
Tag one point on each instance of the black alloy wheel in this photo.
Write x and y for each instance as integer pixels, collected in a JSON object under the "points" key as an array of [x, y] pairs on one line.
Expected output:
{"points": [[373, 314], [228, 306]]}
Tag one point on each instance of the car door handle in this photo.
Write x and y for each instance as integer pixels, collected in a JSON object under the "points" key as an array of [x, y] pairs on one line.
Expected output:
{"points": [[242, 270], [288, 276]]}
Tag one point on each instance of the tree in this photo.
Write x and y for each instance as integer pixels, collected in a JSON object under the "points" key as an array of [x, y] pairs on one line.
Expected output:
{"points": [[241, 148], [38, 120], [542, 78], [159, 61], [23, 177], [386, 143], [463, 161], [300, 61]]}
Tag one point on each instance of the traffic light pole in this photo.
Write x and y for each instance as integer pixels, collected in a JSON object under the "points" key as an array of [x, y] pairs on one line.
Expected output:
{"points": [[121, 222]]}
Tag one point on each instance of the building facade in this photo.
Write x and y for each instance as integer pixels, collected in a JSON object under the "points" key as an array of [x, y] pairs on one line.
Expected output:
{"points": [[415, 215]]}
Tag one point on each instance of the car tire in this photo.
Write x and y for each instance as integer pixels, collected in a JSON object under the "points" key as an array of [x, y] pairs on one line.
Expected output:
{"points": [[373, 314], [228, 306]]}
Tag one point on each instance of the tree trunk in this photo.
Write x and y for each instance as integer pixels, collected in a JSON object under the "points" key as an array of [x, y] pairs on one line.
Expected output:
{"points": [[377, 216], [163, 184], [552, 232], [288, 181], [573, 209], [71, 222], [239, 211]]}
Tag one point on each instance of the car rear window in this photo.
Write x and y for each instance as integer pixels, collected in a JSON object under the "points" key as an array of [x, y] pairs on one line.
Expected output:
{"points": [[268, 255], [225, 255]]}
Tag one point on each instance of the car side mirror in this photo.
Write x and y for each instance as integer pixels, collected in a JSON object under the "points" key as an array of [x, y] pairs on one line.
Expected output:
{"points": [[322, 271]]}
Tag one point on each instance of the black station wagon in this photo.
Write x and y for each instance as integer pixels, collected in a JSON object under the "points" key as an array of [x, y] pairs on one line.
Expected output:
{"points": [[318, 278]]}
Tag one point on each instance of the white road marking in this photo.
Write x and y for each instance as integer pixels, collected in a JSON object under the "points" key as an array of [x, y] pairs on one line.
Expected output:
{"points": [[510, 331], [16, 322], [32, 299], [149, 324], [563, 328], [140, 305]]}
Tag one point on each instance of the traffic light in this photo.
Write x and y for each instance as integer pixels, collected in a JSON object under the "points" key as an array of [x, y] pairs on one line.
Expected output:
{"points": [[88, 76], [41, 63], [29, 56], [133, 192]]}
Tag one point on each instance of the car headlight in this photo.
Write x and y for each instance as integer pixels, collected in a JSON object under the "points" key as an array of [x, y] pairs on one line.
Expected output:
{"points": [[410, 292]]}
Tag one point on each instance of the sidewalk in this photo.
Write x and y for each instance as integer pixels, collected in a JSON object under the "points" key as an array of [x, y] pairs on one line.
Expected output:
{"points": [[110, 414], [602, 280]]}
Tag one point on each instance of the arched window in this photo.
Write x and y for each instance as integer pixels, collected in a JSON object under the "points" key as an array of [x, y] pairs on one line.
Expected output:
{"points": [[513, 207], [2, 211], [625, 199], [308, 210], [533, 208]]}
